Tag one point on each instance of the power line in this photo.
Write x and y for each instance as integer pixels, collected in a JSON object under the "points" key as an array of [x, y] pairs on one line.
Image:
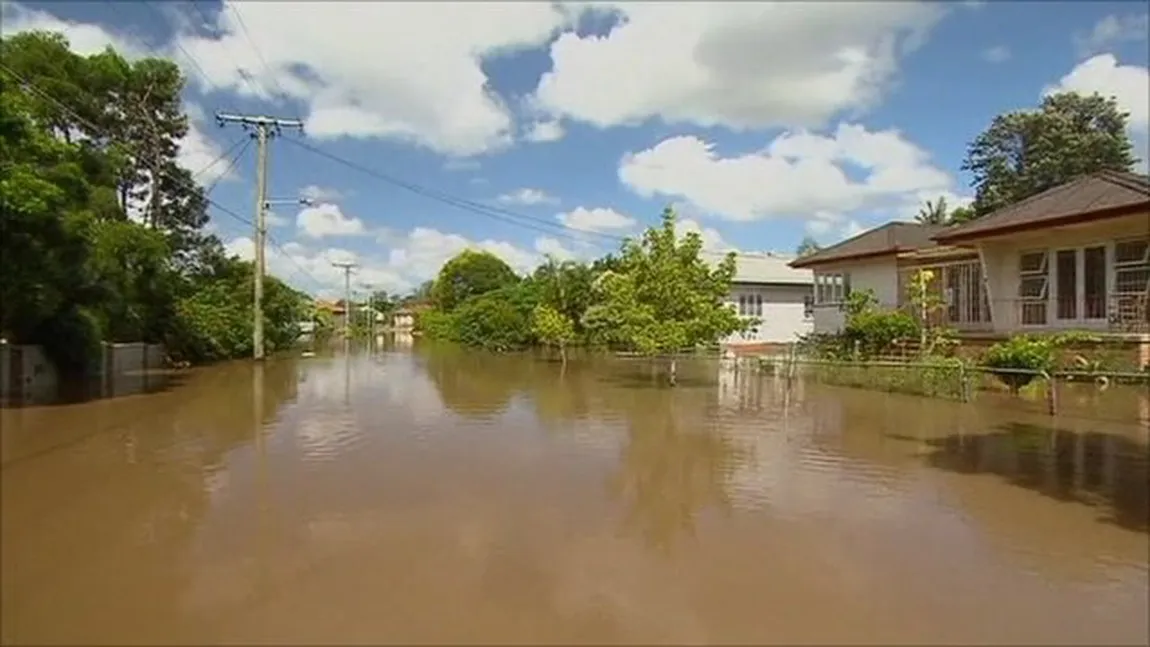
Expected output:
{"points": [[244, 76], [243, 27], [496, 213], [231, 165], [220, 157]]}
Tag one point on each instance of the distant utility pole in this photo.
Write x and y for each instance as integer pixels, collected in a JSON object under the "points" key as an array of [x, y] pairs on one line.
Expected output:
{"points": [[370, 313], [264, 128], [347, 268]]}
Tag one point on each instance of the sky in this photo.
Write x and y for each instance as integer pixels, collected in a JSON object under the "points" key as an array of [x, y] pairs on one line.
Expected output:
{"points": [[535, 128]]}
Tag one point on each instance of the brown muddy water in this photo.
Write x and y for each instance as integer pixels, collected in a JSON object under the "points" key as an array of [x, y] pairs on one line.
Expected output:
{"points": [[435, 497]]}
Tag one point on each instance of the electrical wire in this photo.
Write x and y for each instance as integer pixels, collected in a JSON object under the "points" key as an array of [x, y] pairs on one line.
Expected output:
{"points": [[231, 165], [187, 181], [496, 213], [243, 74], [220, 157], [234, 7]]}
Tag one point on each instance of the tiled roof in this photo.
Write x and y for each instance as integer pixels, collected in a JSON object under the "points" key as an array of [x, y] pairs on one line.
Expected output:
{"points": [[769, 268], [890, 238], [1103, 194]]}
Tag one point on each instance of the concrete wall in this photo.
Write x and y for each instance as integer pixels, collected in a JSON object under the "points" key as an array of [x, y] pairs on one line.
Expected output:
{"points": [[26, 374], [783, 318], [879, 275]]}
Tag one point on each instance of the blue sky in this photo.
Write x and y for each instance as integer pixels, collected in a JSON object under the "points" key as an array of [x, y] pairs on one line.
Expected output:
{"points": [[760, 123]]}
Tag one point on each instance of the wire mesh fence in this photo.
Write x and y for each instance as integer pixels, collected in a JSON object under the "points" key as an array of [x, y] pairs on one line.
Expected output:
{"points": [[1058, 392]]}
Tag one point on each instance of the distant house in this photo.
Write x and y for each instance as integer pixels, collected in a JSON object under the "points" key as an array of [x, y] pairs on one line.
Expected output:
{"points": [[880, 260], [403, 320], [765, 287], [1074, 257]]}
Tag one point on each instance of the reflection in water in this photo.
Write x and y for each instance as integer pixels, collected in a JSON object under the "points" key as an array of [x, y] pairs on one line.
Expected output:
{"points": [[433, 496]]}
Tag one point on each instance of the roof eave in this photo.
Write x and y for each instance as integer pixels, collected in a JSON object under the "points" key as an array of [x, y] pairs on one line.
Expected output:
{"points": [[958, 237], [805, 263]]}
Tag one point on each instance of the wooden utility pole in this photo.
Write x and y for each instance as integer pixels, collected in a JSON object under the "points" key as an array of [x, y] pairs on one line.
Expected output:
{"points": [[347, 268], [264, 129]]}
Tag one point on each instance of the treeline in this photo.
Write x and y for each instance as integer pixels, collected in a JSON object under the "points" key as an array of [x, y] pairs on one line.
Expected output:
{"points": [[103, 236], [656, 296]]}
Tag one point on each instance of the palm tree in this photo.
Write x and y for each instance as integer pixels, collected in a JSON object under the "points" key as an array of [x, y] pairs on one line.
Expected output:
{"points": [[933, 213]]}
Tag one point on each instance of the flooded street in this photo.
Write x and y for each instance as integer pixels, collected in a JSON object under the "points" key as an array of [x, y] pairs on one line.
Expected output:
{"points": [[433, 496]]}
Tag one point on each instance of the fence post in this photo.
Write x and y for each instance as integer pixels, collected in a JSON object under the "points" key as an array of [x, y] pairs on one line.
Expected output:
{"points": [[1051, 393], [964, 392]]}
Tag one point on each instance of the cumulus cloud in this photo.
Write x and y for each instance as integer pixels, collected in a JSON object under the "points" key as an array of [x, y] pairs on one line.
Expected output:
{"points": [[528, 197], [597, 219], [351, 65], [326, 219], [742, 65], [1128, 84], [316, 193], [799, 174], [1111, 31]]}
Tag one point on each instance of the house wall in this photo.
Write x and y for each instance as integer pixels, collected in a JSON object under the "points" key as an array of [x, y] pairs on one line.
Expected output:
{"points": [[879, 275], [784, 313], [1000, 258]]}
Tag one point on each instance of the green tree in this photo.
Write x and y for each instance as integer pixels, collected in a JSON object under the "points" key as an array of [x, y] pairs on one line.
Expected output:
{"points": [[665, 298], [553, 328], [961, 214], [566, 287], [807, 246], [933, 212], [470, 274], [1025, 153]]}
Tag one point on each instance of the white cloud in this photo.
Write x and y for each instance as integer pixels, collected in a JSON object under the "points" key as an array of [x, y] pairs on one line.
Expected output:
{"points": [[1110, 31], [352, 65], [327, 219], [996, 54], [197, 151], [1128, 84], [545, 131], [528, 197], [712, 239], [596, 219], [743, 65], [317, 193], [799, 174]]}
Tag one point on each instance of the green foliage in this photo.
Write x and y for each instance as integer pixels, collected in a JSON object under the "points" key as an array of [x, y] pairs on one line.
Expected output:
{"points": [[664, 298], [470, 274], [77, 270], [499, 320], [1025, 153], [1023, 358], [933, 213], [937, 377], [552, 328], [807, 246]]}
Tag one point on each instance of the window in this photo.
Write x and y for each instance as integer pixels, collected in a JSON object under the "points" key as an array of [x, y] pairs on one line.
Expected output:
{"points": [[1032, 288], [832, 288], [1094, 281], [1132, 280], [742, 305], [808, 308], [1066, 269], [758, 305]]}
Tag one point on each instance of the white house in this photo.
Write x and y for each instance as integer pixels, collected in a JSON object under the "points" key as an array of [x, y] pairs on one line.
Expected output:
{"points": [[1075, 257], [878, 260], [781, 297]]}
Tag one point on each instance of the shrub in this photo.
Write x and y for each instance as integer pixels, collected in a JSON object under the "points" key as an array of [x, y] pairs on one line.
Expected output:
{"points": [[1034, 355], [873, 332]]}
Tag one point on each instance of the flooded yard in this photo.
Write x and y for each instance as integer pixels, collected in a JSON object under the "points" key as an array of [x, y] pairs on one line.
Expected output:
{"points": [[433, 496]]}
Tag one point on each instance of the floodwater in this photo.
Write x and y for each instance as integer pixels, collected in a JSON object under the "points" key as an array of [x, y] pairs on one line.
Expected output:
{"points": [[437, 497]]}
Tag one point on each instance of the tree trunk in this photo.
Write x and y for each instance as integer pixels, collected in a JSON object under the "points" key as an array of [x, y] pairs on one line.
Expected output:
{"points": [[674, 373], [563, 354]]}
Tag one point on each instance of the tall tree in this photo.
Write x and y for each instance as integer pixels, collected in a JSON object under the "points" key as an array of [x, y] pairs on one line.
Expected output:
{"points": [[807, 246], [665, 298], [1027, 152], [933, 212], [470, 274]]}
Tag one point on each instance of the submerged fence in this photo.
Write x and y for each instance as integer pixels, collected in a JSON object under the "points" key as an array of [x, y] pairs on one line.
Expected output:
{"points": [[945, 378]]}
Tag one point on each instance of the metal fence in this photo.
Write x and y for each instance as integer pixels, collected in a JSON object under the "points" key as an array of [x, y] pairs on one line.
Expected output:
{"points": [[950, 378]]}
